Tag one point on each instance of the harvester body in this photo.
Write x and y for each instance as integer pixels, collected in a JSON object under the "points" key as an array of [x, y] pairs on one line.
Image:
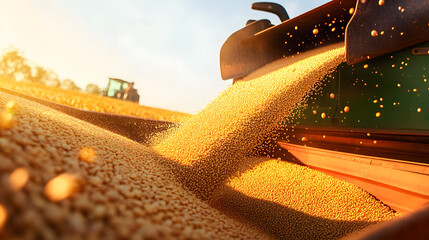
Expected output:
{"points": [[368, 121], [368, 28]]}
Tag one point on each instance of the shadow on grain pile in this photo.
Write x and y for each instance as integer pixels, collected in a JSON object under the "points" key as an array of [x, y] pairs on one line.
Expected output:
{"points": [[290, 201], [278, 220]]}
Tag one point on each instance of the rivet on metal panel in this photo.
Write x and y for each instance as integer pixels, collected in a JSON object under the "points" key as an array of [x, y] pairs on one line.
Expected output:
{"points": [[420, 51], [362, 4]]}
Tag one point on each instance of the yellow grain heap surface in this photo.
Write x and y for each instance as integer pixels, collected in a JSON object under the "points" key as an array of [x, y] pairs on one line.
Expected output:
{"points": [[208, 146], [92, 102], [122, 193], [295, 202]]}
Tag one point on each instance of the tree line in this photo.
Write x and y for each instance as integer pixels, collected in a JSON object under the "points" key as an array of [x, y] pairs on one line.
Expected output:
{"points": [[14, 66]]}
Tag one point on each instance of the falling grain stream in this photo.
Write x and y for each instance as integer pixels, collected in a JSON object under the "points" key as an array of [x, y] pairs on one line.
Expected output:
{"points": [[196, 182]]}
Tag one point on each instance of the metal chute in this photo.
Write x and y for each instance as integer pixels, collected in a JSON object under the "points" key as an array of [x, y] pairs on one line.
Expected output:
{"points": [[398, 24]]}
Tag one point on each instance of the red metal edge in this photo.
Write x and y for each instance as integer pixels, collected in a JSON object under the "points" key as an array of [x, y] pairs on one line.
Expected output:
{"points": [[411, 226], [387, 179], [405, 145]]}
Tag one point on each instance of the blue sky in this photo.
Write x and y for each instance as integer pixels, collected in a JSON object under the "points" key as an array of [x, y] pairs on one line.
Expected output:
{"points": [[169, 48]]}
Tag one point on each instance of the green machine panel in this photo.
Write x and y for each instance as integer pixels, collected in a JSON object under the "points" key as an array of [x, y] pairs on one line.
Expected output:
{"points": [[388, 92]]}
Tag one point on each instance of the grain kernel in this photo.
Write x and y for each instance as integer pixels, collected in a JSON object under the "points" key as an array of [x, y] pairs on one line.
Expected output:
{"points": [[87, 154], [3, 216], [61, 187], [6, 120], [18, 178]]}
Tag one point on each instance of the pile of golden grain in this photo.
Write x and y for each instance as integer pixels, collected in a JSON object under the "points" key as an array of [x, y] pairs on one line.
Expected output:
{"points": [[92, 102], [64, 178]]}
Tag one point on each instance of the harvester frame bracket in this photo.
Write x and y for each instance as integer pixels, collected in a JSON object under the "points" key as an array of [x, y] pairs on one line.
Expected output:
{"points": [[233, 65], [275, 8]]}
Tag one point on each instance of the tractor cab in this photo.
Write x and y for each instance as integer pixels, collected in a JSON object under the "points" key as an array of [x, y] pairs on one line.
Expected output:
{"points": [[117, 88]]}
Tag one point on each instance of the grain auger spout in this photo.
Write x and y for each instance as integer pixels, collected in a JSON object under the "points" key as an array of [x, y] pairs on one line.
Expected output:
{"points": [[369, 28], [367, 122]]}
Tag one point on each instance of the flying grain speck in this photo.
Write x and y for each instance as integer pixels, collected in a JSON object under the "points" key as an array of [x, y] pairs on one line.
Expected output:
{"points": [[18, 178], [3, 217], [346, 109], [61, 187], [6, 120], [11, 106]]}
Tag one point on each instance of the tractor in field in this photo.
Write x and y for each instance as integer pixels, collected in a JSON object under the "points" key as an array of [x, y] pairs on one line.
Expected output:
{"points": [[121, 89]]}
